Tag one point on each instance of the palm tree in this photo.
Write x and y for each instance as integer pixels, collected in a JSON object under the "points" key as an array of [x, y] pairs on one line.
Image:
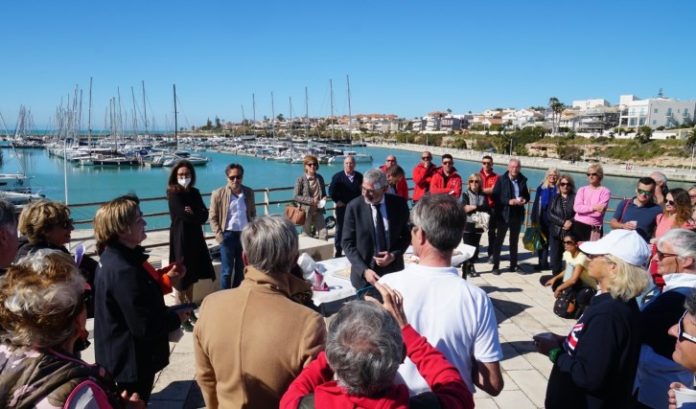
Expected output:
{"points": [[557, 108]]}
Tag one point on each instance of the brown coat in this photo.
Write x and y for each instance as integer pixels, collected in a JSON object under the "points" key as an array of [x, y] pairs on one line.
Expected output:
{"points": [[220, 204], [252, 341]]}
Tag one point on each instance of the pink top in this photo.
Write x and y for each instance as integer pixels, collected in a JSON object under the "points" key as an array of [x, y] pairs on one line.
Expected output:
{"points": [[585, 199], [666, 223]]}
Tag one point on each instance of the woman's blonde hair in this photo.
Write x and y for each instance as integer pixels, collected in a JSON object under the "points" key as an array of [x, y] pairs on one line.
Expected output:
{"points": [[477, 177], [628, 281], [311, 159], [546, 183], [40, 296], [114, 218], [38, 218]]}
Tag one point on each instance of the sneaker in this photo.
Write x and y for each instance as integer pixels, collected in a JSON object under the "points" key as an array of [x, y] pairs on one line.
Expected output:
{"points": [[187, 326]]}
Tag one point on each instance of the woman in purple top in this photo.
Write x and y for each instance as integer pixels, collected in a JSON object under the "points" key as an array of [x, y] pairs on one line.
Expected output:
{"points": [[591, 203]]}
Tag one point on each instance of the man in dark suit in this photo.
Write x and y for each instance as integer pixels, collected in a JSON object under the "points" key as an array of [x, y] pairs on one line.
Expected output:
{"points": [[510, 195], [375, 231], [345, 186]]}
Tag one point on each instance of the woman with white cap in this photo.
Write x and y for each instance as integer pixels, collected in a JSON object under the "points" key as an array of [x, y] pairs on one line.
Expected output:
{"points": [[595, 364]]}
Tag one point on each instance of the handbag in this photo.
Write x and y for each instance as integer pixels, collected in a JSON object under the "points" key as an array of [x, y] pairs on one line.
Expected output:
{"points": [[481, 220], [596, 233], [565, 304], [297, 215], [533, 239]]}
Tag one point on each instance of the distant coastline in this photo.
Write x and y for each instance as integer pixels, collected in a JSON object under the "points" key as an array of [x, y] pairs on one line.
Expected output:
{"points": [[627, 171]]}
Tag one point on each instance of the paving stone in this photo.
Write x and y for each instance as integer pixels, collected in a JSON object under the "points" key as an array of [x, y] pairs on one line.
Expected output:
{"points": [[485, 403], [532, 383], [514, 399]]}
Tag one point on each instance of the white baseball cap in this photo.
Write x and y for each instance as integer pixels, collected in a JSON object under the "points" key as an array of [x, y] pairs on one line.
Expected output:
{"points": [[627, 245]]}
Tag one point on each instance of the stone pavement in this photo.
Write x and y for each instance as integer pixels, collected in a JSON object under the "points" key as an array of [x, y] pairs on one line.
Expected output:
{"points": [[522, 306]]}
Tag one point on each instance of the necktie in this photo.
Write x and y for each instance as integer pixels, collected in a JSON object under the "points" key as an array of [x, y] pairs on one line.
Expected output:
{"points": [[380, 236]]}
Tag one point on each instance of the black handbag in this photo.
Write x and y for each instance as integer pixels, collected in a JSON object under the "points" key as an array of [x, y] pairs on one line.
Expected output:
{"points": [[566, 304]]}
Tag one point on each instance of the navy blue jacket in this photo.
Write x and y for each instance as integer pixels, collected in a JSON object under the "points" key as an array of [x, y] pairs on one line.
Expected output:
{"points": [[503, 191], [131, 322], [342, 189], [600, 355]]}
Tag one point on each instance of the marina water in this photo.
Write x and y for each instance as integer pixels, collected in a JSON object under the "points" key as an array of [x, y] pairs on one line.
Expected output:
{"points": [[97, 184]]}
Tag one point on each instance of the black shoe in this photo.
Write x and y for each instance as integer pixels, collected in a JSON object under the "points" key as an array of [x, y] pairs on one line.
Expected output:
{"points": [[538, 267], [338, 254], [514, 269], [496, 271], [472, 271], [187, 326]]}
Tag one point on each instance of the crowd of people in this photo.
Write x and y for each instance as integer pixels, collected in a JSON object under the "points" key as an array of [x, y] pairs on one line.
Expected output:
{"points": [[417, 335]]}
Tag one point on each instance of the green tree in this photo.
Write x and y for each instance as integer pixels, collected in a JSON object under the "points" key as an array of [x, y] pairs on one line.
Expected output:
{"points": [[557, 108], [644, 134], [218, 123], [280, 118]]}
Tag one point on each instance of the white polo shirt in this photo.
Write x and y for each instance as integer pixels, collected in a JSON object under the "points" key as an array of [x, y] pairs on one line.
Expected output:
{"points": [[456, 317]]}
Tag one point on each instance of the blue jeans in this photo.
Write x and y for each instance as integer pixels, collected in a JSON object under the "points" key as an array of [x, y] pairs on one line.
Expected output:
{"points": [[232, 272]]}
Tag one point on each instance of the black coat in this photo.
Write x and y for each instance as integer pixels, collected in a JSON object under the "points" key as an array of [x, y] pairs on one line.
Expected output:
{"points": [[342, 189], [186, 240], [131, 323], [557, 216], [359, 237], [503, 191]]}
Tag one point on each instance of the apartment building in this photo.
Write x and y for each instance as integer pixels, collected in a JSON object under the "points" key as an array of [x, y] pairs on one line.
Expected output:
{"points": [[654, 112]]}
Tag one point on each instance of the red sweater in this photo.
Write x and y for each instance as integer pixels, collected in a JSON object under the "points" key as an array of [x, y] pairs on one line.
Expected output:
{"points": [[421, 180], [452, 184], [442, 377], [489, 181]]}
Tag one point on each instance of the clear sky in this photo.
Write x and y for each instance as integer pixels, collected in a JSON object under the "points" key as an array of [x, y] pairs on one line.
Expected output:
{"points": [[403, 57]]}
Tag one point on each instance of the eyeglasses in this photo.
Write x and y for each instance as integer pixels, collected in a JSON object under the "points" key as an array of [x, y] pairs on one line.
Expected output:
{"points": [[447, 162], [645, 192], [681, 334], [427, 158], [661, 255], [486, 162], [313, 165], [670, 202], [564, 184], [390, 160], [68, 224], [592, 174], [568, 242], [235, 177]]}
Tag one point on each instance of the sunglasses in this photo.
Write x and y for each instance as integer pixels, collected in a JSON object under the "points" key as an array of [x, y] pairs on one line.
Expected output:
{"points": [[661, 255], [68, 224], [592, 174], [391, 160], [235, 177], [447, 162], [564, 184], [427, 158], [568, 242], [314, 165], [486, 163], [681, 334], [645, 192], [670, 202], [474, 181]]}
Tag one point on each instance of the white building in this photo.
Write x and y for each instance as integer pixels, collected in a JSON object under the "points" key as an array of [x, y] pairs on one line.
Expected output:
{"points": [[654, 112], [585, 104]]}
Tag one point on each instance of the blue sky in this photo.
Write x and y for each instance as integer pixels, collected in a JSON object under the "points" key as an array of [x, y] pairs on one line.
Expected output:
{"points": [[403, 57]]}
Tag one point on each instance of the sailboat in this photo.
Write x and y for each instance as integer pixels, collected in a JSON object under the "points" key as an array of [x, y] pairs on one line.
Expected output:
{"points": [[171, 159]]}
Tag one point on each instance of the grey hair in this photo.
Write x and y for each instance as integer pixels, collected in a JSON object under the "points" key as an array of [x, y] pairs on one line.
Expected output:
{"points": [[40, 296], [658, 177], [8, 214], [271, 244], [690, 303], [515, 160], [376, 178], [682, 240], [364, 348], [442, 219]]}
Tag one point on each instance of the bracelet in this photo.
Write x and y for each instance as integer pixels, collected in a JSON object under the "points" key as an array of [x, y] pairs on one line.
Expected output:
{"points": [[554, 354]]}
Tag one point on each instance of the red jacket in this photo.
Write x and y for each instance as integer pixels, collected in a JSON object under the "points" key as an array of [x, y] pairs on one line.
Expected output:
{"points": [[401, 185], [451, 185], [442, 377], [421, 180], [489, 181]]}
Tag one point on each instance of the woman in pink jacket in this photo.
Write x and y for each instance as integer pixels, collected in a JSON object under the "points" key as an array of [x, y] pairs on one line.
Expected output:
{"points": [[591, 203]]}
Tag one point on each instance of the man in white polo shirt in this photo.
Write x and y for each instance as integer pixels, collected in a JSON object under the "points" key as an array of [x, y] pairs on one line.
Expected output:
{"points": [[455, 316]]}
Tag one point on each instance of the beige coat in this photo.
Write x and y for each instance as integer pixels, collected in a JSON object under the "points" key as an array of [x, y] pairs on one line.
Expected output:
{"points": [[220, 204], [252, 341]]}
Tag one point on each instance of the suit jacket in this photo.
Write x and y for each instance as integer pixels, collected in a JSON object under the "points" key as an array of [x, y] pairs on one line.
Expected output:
{"points": [[503, 192], [342, 189], [220, 205], [301, 192], [359, 237]]}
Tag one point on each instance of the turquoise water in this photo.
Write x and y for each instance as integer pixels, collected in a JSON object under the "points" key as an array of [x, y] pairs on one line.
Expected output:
{"points": [[95, 184]]}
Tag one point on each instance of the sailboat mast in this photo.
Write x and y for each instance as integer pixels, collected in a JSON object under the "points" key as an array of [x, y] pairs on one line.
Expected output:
{"points": [[350, 116], [176, 123], [332, 108], [272, 116], [89, 116], [253, 111], [135, 114], [144, 108], [306, 107], [290, 106]]}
